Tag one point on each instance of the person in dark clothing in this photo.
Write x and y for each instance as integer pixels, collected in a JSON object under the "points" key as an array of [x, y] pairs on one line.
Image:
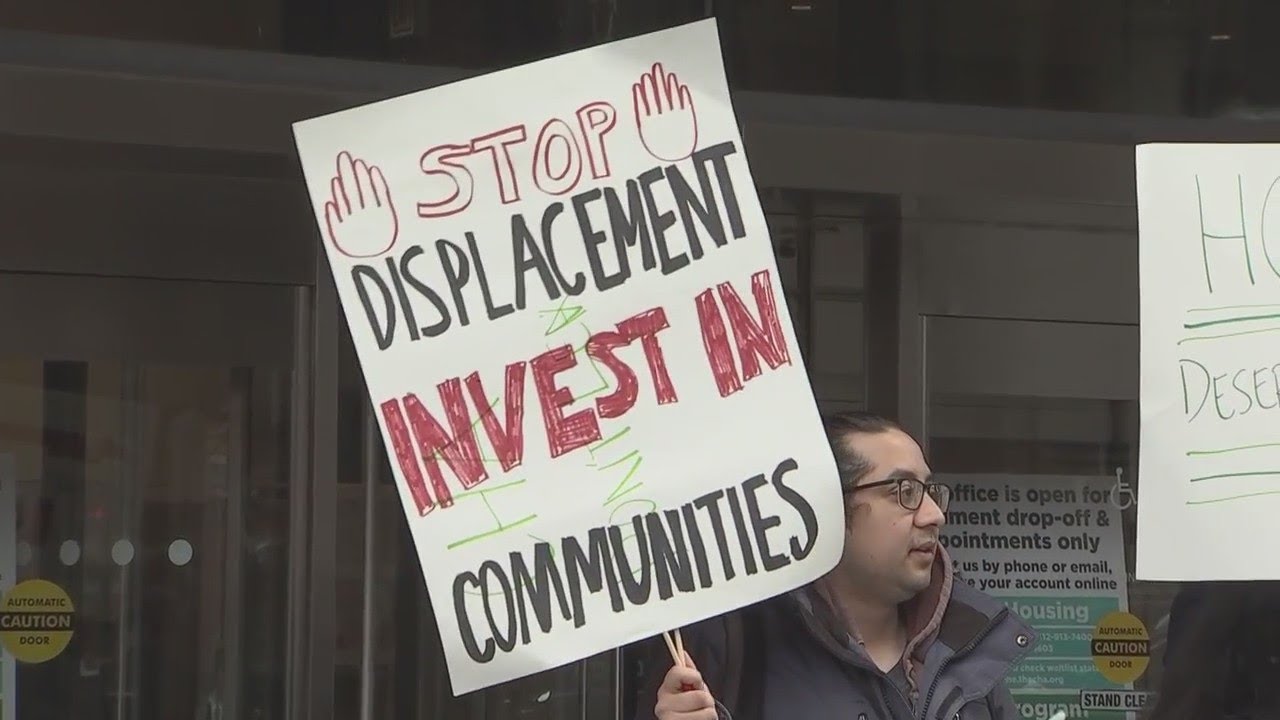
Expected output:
{"points": [[1226, 665], [888, 634], [1183, 613]]}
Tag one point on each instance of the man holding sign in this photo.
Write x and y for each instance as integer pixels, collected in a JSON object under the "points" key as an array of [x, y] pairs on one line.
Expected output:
{"points": [[888, 634], [562, 292]]}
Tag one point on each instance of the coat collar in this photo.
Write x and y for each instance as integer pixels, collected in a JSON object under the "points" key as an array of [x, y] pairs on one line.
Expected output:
{"points": [[948, 612]]}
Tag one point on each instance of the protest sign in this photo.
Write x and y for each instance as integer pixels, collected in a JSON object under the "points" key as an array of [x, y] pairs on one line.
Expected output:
{"points": [[1052, 549], [1209, 257], [560, 285]]}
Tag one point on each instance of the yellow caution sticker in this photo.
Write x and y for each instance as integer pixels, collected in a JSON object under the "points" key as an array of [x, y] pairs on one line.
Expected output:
{"points": [[37, 620], [1121, 647]]}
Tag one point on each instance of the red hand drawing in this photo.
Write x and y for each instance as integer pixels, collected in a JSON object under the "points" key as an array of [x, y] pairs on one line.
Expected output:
{"points": [[359, 214], [665, 116]]}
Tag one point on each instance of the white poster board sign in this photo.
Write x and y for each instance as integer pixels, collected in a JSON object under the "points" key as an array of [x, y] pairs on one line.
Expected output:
{"points": [[561, 288], [1209, 245]]}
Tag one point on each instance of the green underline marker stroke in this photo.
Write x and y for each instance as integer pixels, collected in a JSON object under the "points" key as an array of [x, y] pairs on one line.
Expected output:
{"points": [[1259, 473], [1225, 321], [1233, 497], [1234, 307], [1227, 335], [1223, 451]]}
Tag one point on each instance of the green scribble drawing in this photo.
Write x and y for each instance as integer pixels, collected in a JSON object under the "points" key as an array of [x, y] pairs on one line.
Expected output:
{"points": [[551, 548], [502, 527], [595, 367], [482, 491], [491, 533], [1227, 335], [561, 317], [617, 490], [1233, 497], [474, 424], [622, 489], [1223, 451], [601, 445], [484, 451], [622, 459], [629, 529]]}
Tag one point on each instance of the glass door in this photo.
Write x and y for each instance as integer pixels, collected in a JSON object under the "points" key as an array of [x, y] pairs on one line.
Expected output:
{"points": [[1035, 426], [146, 449]]}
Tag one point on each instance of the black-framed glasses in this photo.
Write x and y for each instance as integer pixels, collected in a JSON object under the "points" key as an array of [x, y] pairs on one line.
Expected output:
{"points": [[911, 492]]}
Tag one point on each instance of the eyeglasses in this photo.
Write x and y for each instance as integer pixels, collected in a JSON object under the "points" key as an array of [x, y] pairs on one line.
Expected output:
{"points": [[911, 492]]}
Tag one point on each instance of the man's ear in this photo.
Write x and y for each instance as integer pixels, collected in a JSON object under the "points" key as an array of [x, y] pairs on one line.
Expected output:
{"points": [[853, 508]]}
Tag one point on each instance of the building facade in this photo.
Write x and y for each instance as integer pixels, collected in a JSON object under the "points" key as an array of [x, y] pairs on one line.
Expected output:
{"points": [[185, 445]]}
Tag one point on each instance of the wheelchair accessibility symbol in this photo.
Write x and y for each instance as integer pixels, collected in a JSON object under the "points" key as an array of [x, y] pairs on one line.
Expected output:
{"points": [[1122, 494]]}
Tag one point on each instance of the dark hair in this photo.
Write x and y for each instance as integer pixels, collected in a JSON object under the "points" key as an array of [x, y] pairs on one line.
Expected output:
{"points": [[1228, 663], [839, 426]]}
